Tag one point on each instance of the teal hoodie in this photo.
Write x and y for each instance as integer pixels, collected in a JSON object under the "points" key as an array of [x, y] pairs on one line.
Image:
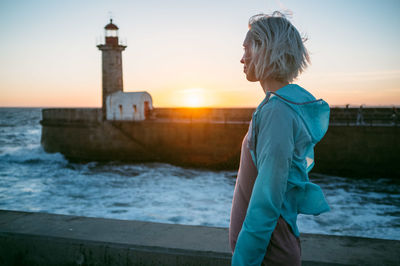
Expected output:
{"points": [[284, 130]]}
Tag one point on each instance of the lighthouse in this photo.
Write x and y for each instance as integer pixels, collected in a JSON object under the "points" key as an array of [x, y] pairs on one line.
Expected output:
{"points": [[111, 63], [118, 105]]}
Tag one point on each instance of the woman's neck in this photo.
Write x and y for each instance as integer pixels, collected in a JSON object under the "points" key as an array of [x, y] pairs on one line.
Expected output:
{"points": [[272, 84]]}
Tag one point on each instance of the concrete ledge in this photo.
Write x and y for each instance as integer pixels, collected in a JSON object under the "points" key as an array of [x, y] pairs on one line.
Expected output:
{"points": [[49, 239]]}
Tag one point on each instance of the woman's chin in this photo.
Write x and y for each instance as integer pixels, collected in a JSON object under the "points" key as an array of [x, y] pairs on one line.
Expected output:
{"points": [[251, 78]]}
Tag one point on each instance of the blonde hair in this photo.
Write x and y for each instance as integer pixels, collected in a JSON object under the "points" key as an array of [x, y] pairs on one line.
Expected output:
{"points": [[277, 47]]}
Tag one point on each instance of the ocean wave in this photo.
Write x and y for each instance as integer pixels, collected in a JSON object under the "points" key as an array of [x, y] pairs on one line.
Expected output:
{"points": [[30, 154]]}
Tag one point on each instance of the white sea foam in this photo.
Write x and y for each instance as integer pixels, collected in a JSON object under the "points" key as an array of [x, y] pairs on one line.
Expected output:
{"points": [[30, 154]]}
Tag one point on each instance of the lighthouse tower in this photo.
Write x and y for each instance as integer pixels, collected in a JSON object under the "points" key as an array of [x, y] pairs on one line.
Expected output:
{"points": [[111, 63]]}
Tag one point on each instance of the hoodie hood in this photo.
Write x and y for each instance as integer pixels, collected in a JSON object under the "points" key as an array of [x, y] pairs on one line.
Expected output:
{"points": [[314, 113]]}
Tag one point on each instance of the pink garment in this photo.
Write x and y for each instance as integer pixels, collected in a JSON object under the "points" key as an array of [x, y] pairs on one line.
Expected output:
{"points": [[284, 248], [241, 197]]}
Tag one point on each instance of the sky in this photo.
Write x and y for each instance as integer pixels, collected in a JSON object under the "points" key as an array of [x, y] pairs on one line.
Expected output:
{"points": [[187, 52]]}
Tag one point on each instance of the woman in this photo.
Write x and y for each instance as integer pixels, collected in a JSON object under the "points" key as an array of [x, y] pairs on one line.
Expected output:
{"points": [[272, 186]]}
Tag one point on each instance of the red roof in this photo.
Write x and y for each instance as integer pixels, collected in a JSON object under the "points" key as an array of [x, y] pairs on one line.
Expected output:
{"points": [[111, 26]]}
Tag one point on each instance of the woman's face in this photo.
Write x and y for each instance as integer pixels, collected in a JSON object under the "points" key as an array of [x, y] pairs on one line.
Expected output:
{"points": [[248, 67]]}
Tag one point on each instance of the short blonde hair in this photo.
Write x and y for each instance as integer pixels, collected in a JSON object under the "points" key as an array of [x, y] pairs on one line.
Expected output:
{"points": [[277, 47]]}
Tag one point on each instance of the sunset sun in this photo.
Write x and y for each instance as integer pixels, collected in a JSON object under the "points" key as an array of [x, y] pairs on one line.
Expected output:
{"points": [[193, 97]]}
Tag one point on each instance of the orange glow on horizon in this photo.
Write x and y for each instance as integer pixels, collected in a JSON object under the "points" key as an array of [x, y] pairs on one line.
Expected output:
{"points": [[193, 97], [246, 95]]}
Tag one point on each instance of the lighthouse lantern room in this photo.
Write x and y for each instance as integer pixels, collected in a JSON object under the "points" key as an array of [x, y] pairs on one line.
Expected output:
{"points": [[111, 33]]}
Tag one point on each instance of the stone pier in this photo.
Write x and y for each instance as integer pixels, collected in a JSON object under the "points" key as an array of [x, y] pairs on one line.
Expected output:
{"points": [[211, 138], [49, 239]]}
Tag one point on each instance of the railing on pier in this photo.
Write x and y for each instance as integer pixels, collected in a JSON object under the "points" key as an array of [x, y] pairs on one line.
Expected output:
{"points": [[347, 116], [340, 116], [365, 116]]}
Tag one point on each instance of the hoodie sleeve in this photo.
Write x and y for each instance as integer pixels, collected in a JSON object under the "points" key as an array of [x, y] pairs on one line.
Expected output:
{"points": [[274, 151]]}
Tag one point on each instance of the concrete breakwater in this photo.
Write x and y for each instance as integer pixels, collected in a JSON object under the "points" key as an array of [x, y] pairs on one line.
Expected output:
{"points": [[211, 138], [50, 239]]}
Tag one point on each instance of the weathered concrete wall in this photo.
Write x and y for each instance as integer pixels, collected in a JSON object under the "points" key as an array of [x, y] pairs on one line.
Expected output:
{"points": [[49, 239], [66, 115], [129, 106], [206, 114], [199, 144], [363, 151], [210, 138], [339, 116]]}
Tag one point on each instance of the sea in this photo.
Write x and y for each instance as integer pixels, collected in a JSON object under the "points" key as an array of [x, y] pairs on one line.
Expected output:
{"points": [[35, 181]]}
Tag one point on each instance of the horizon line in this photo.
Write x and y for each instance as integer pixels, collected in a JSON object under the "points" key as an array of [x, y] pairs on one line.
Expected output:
{"points": [[200, 107]]}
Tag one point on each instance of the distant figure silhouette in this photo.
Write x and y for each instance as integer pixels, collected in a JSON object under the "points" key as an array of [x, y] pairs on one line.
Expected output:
{"points": [[347, 114], [394, 116], [360, 117]]}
